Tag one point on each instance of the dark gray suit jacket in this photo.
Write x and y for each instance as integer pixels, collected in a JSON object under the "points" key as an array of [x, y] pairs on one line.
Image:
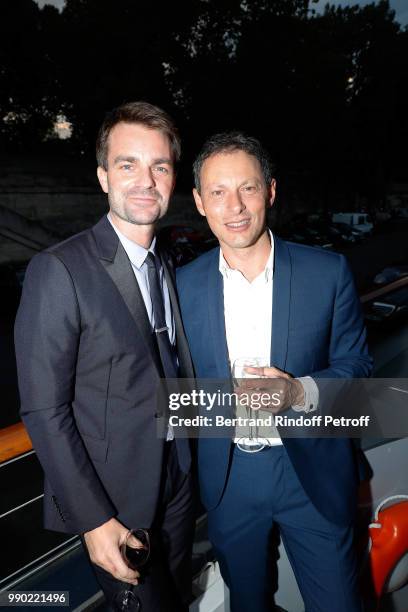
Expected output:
{"points": [[88, 370]]}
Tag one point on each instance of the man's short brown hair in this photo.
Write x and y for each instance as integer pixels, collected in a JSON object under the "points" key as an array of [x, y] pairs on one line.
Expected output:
{"points": [[229, 142], [145, 114]]}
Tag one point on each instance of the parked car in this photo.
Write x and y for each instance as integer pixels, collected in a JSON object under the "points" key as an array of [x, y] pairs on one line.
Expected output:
{"points": [[185, 243], [346, 233], [358, 221], [307, 235], [390, 307], [390, 274]]}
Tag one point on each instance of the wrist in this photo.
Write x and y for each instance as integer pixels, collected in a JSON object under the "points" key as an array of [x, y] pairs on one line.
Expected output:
{"points": [[297, 393]]}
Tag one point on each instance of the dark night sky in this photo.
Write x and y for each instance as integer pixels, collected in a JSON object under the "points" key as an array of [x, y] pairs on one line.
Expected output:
{"points": [[399, 6]]}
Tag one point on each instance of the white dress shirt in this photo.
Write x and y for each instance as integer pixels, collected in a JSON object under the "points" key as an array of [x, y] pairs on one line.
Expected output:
{"points": [[248, 322], [137, 256]]}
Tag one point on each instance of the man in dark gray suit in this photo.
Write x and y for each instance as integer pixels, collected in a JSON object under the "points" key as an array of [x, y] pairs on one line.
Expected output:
{"points": [[98, 326]]}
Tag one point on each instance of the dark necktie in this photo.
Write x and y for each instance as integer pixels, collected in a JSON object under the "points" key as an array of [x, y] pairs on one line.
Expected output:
{"points": [[166, 350]]}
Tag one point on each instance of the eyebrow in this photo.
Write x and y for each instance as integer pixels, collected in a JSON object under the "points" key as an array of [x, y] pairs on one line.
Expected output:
{"points": [[120, 158], [224, 186], [163, 160], [256, 179], [131, 159], [216, 185]]}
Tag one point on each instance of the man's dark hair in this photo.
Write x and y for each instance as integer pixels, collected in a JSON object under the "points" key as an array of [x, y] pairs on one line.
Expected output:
{"points": [[147, 115], [228, 142]]}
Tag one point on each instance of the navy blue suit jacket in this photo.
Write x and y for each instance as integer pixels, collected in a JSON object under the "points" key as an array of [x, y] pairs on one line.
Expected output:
{"points": [[317, 330]]}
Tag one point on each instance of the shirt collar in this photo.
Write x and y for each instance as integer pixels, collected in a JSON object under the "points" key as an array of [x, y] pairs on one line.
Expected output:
{"points": [[226, 271], [136, 253]]}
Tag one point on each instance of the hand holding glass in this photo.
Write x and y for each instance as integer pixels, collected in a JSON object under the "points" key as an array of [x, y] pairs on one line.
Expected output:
{"points": [[239, 372], [135, 552]]}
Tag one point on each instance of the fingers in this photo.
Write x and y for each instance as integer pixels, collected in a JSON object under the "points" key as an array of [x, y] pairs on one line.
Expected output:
{"points": [[275, 393], [104, 547], [273, 372], [269, 372], [133, 542], [121, 571], [113, 562], [254, 384], [268, 380], [269, 383], [255, 371]]}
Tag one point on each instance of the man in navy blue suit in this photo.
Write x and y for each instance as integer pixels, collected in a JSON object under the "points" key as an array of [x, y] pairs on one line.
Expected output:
{"points": [[296, 309]]}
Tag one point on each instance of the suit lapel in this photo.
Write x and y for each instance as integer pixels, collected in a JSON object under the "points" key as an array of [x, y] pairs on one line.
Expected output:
{"points": [[282, 277], [216, 317], [183, 353], [116, 263], [280, 310]]}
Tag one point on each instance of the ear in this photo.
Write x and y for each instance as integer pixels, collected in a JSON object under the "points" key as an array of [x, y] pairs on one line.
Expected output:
{"points": [[103, 178], [198, 202], [271, 193]]}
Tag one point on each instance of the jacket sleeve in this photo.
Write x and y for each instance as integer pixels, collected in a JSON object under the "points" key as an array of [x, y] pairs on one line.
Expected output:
{"points": [[348, 353], [348, 356], [47, 337]]}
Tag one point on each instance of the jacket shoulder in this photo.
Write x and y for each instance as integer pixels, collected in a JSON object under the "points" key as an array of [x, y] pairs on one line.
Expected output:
{"points": [[74, 251], [194, 271], [70, 256], [315, 257], [74, 243]]}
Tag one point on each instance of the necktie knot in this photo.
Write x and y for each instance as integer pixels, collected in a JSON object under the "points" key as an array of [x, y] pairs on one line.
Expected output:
{"points": [[150, 260]]}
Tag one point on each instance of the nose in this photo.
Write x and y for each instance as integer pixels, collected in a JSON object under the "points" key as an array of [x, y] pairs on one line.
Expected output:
{"points": [[145, 178], [235, 203]]}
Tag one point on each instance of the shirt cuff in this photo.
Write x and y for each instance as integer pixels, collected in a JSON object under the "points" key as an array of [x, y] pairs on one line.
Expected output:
{"points": [[311, 395]]}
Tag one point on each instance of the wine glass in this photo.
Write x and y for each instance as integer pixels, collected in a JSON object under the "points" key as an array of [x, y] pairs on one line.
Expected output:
{"points": [[250, 444], [135, 552]]}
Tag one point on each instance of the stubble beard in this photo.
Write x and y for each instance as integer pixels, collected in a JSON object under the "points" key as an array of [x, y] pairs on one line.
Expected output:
{"points": [[242, 242], [137, 217]]}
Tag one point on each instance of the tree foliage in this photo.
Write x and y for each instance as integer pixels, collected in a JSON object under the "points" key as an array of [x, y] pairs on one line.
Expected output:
{"points": [[326, 93]]}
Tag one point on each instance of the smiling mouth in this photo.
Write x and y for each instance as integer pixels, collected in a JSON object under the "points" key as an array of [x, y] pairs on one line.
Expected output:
{"points": [[142, 200], [236, 225]]}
